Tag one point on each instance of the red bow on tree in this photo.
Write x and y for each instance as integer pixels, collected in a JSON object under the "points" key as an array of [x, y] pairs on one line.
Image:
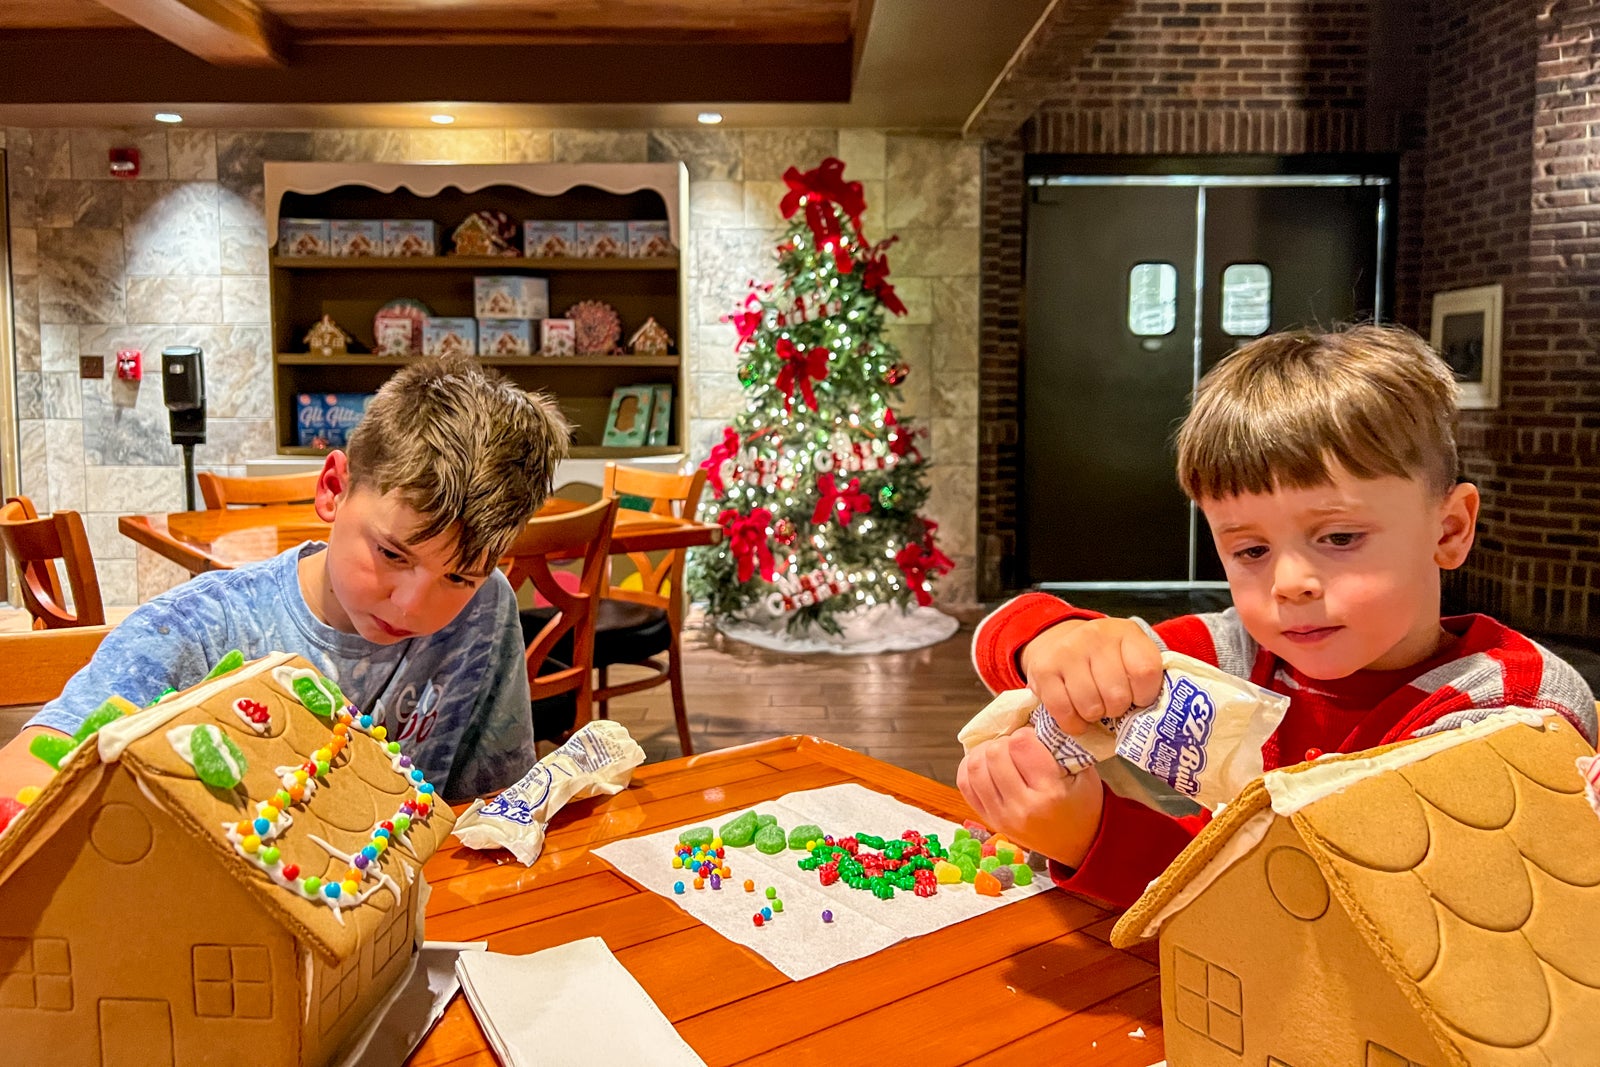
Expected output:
{"points": [[748, 321], [847, 502], [918, 562], [816, 189], [720, 453], [876, 279], [747, 539], [901, 441], [799, 370]]}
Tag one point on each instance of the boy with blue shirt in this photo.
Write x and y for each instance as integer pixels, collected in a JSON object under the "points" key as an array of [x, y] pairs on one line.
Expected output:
{"points": [[403, 607]]}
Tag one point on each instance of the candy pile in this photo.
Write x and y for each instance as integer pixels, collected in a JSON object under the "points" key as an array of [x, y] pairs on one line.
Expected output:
{"points": [[906, 863], [988, 861], [702, 853]]}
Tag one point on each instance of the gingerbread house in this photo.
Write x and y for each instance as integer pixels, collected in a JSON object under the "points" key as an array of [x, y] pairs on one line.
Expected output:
{"points": [[148, 917], [1432, 902]]}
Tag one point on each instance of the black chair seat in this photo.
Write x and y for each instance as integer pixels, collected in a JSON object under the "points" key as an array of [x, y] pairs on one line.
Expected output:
{"points": [[624, 632], [553, 716]]}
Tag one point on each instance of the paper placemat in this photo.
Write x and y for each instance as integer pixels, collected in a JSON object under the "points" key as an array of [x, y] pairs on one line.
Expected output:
{"points": [[573, 1004], [797, 941]]}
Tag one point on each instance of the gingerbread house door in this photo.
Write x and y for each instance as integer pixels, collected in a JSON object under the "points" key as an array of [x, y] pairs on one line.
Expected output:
{"points": [[135, 1033]]}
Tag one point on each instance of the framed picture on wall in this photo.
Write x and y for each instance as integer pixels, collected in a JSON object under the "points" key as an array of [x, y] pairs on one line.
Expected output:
{"points": [[1466, 332]]}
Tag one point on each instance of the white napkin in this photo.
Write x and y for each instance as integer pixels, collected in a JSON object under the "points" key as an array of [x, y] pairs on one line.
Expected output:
{"points": [[572, 1004]]}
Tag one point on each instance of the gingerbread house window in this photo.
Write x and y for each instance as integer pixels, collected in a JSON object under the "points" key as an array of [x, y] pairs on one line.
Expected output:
{"points": [[394, 934], [232, 981], [342, 988], [1209, 1000], [35, 973]]}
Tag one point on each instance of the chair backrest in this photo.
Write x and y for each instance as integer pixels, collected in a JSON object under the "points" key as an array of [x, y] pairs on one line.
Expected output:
{"points": [[36, 543], [39, 663], [660, 578], [220, 492], [585, 535]]}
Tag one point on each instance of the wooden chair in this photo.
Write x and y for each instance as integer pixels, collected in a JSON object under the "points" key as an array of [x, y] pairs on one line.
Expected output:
{"points": [[39, 663], [642, 626], [35, 544], [220, 492], [559, 636]]}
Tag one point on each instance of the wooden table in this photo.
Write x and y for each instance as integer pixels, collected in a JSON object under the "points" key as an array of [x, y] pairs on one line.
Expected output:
{"points": [[222, 539], [1035, 981]]}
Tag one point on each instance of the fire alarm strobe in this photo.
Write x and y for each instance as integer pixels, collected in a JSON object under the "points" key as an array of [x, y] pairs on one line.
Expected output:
{"points": [[124, 162]]}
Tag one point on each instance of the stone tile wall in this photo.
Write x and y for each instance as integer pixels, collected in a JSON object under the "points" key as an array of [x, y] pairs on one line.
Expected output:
{"points": [[179, 256]]}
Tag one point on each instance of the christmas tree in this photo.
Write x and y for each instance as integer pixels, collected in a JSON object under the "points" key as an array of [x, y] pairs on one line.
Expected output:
{"points": [[818, 484]]}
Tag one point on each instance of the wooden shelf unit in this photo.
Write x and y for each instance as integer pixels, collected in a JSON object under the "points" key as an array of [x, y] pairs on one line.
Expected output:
{"points": [[351, 290]]}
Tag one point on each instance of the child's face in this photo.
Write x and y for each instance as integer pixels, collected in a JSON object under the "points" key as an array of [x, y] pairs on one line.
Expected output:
{"points": [[1343, 577], [383, 588]]}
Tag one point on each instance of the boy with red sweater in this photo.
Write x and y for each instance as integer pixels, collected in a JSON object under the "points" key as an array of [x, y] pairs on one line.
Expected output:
{"points": [[1326, 468]]}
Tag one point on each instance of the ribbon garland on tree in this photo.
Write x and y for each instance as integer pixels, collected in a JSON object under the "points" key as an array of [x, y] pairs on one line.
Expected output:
{"points": [[876, 277], [799, 369], [748, 321], [747, 539], [724, 452], [847, 501], [815, 189], [917, 562]]}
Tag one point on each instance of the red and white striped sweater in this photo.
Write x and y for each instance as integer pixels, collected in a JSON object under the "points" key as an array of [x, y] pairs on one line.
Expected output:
{"points": [[1486, 667]]}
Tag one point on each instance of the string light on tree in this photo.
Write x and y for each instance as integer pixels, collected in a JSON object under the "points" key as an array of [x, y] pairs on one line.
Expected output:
{"points": [[819, 463]]}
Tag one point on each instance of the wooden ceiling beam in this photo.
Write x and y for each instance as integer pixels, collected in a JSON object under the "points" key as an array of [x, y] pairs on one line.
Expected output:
{"points": [[225, 33], [131, 67]]}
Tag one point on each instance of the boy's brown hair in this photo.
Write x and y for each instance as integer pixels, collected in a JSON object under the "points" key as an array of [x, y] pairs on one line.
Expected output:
{"points": [[465, 448], [1280, 411]]}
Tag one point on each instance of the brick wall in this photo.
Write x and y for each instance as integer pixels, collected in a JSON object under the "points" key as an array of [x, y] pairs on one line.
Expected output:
{"points": [[1168, 77], [1513, 196]]}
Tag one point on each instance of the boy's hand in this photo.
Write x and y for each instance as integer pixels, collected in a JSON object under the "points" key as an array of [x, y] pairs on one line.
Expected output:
{"points": [[1018, 788], [19, 767], [1084, 670]]}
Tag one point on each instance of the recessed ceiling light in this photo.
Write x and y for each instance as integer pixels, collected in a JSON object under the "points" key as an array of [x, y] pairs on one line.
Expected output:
{"points": [[709, 118], [442, 120], [168, 116]]}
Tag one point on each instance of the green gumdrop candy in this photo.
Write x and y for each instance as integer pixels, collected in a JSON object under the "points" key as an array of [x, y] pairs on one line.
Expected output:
{"points": [[988, 863], [739, 832], [969, 870], [700, 835], [51, 749], [771, 839], [105, 713], [331, 687], [800, 835], [217, 760], [1007, 856], [766, 820], [226, 665], [1023, 873], [312, 696], [961, 834]]}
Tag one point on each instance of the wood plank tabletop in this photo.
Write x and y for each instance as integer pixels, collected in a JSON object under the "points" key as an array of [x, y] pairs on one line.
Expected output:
{"points": [[1035, 977], [224, 538]]}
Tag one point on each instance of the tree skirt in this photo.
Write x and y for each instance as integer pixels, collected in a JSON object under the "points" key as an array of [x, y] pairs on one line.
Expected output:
{"points": [[880, 628]]}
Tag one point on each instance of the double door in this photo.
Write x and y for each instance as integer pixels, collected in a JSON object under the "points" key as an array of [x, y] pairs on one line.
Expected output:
{"points": [[1135, 287]]}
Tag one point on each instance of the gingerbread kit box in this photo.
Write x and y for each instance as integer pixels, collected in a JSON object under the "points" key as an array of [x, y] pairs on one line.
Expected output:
{"points": [[1434, 902], [233, 875]]}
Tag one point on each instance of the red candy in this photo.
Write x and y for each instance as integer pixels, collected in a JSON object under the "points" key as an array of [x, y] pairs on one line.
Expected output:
{"points": [[291, 871], [10, 808], [759, 920]]}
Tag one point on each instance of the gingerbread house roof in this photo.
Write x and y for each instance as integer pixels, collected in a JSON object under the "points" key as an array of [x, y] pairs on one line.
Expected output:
{"points": [[363, 788], [1468, 860]]}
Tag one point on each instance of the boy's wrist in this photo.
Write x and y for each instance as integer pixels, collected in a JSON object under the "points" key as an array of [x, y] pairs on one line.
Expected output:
{"points": [[1025, 652]]}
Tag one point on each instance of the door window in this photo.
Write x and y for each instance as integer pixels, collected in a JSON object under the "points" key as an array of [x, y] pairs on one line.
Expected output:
{"points": [[1246, 299], [1152, 299]]}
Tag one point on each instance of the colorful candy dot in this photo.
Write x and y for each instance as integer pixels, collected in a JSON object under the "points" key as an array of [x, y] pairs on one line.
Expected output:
{"points": [[405, 761], [331, 890], [759, 920], [352, 887], [269, 855], [699, 883], [282, 797], [766, 913], [291, 871], [393, 747], [677, 887], [322, 768], [366, 721], [311, 884], [251, 844], [341, 730], [827, 916], [416, 775], [380, 732], [379, 844], [677, 863], [777, 905], [749, 886], [361, 860], [242, 828], [716, 881], [370, 852], [771, 892]]}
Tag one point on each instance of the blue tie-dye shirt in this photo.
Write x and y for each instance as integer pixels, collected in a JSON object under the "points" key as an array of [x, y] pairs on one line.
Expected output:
{"points": [[457, 699]]}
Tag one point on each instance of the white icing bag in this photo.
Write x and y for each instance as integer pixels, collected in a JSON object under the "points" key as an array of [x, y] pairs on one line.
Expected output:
{"points": [[1202, 736], [598, 758]]}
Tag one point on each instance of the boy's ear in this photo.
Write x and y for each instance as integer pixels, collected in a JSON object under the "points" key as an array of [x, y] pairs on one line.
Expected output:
{"points": [[1458, 524], [333, 484]]}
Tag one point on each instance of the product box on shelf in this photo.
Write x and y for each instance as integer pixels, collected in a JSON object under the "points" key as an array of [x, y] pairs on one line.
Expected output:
{"points": [[302, 237], [602, 240], [324, 420], [409, 237], [356, 237], [510, 296], [450, 337], [505, 337], [649, 237], [628, 424], [543, 239], [660, 415], [558, 337]]}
